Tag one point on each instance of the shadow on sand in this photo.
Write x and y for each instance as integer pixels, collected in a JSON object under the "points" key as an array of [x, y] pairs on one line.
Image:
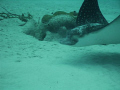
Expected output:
{"points": [[96, 59]]}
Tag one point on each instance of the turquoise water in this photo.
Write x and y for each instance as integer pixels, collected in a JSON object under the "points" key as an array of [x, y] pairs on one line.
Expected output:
{"points": [[32, 57]]}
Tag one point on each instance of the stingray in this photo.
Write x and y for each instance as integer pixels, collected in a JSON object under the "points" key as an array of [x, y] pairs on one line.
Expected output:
{"points": [[107, 35], [89, 19]]}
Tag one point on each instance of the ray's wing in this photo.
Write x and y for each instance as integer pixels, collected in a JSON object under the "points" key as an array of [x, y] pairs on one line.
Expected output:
{"points": [[90, 13], [107, 35]]}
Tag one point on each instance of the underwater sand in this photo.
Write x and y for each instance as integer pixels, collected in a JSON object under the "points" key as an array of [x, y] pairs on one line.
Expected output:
{"points": [[29, 64]]}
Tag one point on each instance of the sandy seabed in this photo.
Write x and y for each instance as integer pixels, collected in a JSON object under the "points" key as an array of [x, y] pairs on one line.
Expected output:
{"points": [[29, 64]]}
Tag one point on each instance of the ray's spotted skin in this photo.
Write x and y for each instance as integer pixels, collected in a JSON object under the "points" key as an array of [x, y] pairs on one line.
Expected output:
{"points": [[89, 19], [90, 12]]}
